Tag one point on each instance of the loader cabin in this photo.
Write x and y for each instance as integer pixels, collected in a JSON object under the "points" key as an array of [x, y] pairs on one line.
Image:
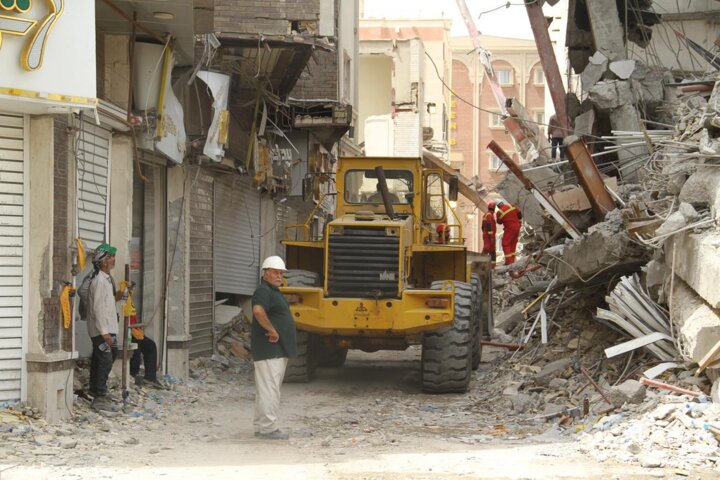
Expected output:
{"points": [[412, 189]]}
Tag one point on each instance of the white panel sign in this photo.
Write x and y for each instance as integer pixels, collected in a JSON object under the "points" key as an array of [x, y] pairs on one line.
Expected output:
{"points": [[47, 54]]}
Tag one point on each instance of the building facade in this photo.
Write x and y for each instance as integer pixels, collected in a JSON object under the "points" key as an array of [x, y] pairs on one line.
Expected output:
{"points": [[475, 118], [163, 136]]}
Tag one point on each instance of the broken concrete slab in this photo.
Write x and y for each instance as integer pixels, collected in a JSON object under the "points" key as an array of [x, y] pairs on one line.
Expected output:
{"points": [[552, 370], [698, 262], [606, 28], [592, 75], [520, 402], [610, 94], [584, 123], [674, 222], [630, 391], [602, 249], [688, 211], [598, 58], [623, 69], [698, 324], [508, 319], [514, 192], [702, 188]]}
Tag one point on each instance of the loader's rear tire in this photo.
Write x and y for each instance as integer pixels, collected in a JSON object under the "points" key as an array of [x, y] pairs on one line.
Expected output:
{"points": [[301, 369], [477, 320], [332, 357], [447, 353]]}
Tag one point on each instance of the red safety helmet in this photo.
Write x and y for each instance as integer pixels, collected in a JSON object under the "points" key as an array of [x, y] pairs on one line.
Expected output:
{"points": [[491, 206]]}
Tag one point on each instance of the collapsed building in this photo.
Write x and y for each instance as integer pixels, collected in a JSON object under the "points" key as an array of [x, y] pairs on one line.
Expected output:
{"points": [[641, 183]]}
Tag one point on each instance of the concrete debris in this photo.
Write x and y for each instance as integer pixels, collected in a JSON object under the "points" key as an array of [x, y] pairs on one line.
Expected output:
{"points": [[623, 68], [630, 391], [610, 94], [592, 75], [510, 318], [674, 222], [552, 370]]}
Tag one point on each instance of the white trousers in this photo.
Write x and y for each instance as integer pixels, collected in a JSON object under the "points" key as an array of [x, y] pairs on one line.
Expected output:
{"points": [[269, 376]]}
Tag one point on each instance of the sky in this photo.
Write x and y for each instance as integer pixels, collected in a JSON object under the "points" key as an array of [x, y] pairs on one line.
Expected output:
{"points": [[501, 21]]}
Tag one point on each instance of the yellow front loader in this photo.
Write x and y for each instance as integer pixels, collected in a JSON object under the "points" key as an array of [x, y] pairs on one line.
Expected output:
{"points": [[391, 270]]}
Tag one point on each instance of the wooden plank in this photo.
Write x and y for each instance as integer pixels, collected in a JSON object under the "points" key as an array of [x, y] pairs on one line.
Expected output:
{"points": [[708, 359], [10, 166], [634, 344]]}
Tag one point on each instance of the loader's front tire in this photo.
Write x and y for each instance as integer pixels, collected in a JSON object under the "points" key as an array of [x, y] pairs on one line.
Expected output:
{"points": [[301, 369], [447, 353]]}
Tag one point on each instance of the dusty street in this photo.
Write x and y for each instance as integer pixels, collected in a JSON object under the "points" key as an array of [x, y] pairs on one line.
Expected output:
{"points": [[366, 420]]}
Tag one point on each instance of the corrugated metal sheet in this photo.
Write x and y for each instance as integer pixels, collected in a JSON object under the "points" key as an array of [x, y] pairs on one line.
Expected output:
{"points": [[202, 295], [408, 135], [12, 155], [237, 235], [93, 173]]}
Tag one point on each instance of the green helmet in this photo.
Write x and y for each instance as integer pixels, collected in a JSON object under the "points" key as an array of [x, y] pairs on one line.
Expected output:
{"points": [[102, 252]]}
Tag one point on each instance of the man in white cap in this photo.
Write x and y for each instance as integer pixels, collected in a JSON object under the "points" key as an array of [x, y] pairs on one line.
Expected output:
{"points": [[273, 341]]}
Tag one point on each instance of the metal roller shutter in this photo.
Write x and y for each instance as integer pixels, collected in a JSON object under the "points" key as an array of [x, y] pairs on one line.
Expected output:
{"points": [[237, 235], [12, 154], [93, 173], [202, 295]]}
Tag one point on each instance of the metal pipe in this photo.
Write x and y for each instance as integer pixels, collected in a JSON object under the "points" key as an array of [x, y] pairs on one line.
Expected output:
{"points": [[382, 184]]}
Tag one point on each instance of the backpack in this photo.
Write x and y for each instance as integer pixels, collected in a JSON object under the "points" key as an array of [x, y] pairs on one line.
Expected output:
{"points": [[83, 293]]}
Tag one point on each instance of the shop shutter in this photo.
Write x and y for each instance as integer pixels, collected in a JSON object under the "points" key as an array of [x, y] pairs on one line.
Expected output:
{"points": [[202, 295], [12, 154], [93, 177], [237, 235]]}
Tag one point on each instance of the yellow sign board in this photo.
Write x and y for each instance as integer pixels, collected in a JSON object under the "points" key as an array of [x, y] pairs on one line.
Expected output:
{"points": [[37, 32]]}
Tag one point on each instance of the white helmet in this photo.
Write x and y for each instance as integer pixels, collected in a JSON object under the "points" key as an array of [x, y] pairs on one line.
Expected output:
{"points": [[274, 262]]}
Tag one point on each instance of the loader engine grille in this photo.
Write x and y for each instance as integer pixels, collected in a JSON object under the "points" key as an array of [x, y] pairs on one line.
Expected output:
{"points": [[363, 263]]}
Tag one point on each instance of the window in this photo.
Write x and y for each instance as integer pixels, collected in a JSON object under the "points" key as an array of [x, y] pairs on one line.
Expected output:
{"points": [[496, 163], [540, 118], [496, 121], [539, 77], [434, 205], [361, 186], [504, 76]]}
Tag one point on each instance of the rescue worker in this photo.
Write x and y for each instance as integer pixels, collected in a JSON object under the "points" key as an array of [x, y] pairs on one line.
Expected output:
{"points": [[510, 217], [443, 233], [556, 136], [488, 232]]}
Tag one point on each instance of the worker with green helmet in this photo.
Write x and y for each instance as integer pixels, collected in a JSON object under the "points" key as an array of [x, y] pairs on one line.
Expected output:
{"points": [[102, 324]]}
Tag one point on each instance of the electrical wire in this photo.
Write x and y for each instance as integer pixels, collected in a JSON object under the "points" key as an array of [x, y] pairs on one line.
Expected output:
{"points": [[449, 88]]}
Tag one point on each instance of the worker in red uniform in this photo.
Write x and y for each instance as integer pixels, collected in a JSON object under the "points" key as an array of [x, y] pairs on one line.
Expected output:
{"points": [[510, 217], [443, 233], [488, 232]]}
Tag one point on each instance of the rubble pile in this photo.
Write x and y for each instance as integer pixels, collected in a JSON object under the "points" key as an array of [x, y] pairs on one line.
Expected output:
{"points": [[595, 320], [232, 331], [142, 429]]}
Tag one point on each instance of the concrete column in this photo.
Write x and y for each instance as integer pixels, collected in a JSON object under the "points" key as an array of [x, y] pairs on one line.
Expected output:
{"points": [[120, 231], [49, 375], [178, 265], [607, 30]]}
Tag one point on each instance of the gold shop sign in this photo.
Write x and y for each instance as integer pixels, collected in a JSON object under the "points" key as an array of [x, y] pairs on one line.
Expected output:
{"points": [[15, 21]]}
